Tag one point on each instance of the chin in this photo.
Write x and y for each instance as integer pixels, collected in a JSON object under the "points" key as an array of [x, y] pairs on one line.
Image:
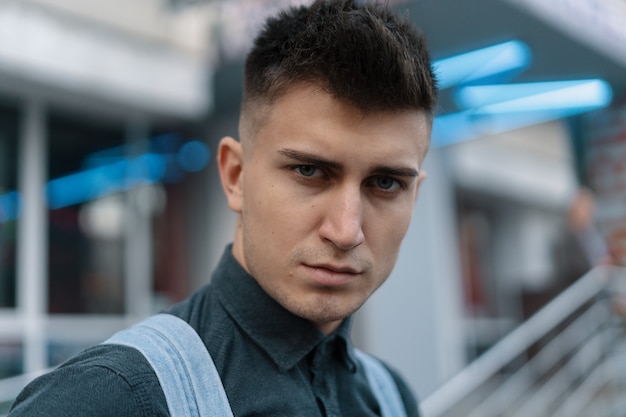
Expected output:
{"points": [[328, 311]]}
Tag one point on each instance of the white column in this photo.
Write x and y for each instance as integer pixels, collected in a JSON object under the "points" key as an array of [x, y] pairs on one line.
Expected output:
{"points": [[32, 259], [138, 241]]}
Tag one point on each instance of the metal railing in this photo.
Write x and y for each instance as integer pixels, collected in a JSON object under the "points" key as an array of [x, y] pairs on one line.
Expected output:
{"points": [[567, 360]]}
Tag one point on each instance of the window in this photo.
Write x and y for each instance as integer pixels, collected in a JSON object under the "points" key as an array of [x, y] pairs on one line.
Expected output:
{"points": [[85, 269], [9, 125], [112, 244]]}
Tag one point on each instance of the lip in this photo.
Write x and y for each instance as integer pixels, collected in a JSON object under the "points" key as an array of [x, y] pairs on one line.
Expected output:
{"points": [[329, 275]]}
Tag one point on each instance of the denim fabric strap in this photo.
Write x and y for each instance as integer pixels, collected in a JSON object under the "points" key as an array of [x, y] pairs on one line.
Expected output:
{"points": [[383, 386], [186, 372]]}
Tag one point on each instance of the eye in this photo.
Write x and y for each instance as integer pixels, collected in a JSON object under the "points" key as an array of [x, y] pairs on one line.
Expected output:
{"points": [[306, 170], [386, 186], [386, 183]]}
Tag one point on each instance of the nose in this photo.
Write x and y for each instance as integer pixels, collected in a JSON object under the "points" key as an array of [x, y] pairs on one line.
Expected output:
{"points": [[342, 224]]}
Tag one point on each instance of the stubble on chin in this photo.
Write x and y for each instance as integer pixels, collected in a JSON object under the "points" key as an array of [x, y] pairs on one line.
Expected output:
{"points": [[327, 305], [316, 304]]}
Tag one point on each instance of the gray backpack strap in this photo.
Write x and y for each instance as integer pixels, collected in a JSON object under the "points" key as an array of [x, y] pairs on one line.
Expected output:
{"points": [[383, 386], [186, 372]]}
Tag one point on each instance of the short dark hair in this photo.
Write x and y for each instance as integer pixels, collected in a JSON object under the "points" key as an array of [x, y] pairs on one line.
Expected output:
{"points": [[357, 51]]}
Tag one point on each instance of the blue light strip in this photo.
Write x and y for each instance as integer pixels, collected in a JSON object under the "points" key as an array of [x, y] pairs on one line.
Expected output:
{"points": [[119, 174], [501, 60], [507, 107], [10, 206], [494, 108], [107, 179], [525, 97]]}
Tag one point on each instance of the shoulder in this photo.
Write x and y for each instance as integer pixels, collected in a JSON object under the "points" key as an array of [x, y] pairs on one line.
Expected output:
{"points": [[105, 380]]}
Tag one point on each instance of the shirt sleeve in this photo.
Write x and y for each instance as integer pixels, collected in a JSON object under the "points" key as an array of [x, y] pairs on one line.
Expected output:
{"points": [[104, 381]]}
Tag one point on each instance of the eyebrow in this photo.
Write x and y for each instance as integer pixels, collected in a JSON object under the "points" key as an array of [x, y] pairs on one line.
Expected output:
{"points": [[396, 171], [308, 158]]}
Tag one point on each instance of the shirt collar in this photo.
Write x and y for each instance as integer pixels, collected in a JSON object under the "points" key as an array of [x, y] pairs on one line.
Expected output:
{"points": [[285, 337]]}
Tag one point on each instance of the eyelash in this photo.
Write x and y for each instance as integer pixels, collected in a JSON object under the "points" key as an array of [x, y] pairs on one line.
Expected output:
{"points": [[396, 186]]}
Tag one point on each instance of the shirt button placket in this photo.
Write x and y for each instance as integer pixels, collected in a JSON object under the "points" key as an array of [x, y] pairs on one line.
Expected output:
{"points": [[323, 382]]}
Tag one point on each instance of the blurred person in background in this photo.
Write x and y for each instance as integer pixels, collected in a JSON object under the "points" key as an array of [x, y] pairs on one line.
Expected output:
{"points": [[335, 124], [580, 245]]}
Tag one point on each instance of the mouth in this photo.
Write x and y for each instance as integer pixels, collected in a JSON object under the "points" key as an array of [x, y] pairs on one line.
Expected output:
{"points": [[330, 275]]}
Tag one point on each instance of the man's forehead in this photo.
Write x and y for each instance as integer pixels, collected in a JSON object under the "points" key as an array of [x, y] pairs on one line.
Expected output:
{"points": [[301, 103]]}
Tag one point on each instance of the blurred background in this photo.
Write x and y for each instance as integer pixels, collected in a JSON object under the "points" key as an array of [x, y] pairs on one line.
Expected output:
{"points": [[111, 209]]}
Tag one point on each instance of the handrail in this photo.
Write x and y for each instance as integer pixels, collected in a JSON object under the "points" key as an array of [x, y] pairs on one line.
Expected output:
{"points": [[508, 392], [517, 342]]}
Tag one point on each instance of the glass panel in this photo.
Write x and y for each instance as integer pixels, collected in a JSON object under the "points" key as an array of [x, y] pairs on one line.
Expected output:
{"points": [[10, 359], [9, 125], [85, 268], [169, 204], [98, 184], [11, 364]]}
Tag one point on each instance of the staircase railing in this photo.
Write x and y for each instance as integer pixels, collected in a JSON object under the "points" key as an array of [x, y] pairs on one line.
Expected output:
{"points": [[566, 360]]}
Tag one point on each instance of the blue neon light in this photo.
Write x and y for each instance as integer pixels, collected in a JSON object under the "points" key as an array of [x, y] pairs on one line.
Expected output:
{"points": [[111, 172], [489, 108], [10, 206], [575, 95], [490, 63], [497, 109], [193, 156], [106, 179]]}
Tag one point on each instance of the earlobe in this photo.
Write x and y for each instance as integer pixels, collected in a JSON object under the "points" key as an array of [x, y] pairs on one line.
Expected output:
{"points": [[230, 165]]}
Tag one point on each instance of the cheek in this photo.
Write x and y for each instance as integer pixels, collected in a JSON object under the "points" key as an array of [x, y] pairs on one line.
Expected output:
{"points": [[387, 230], [270, 209], [396, 215]]}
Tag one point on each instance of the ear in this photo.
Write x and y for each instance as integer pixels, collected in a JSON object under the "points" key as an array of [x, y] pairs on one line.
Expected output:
{"points": [[230, 165], [420, 180]]}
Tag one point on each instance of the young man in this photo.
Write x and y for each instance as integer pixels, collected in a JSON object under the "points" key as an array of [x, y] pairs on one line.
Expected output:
{"points": [[335, 123]]}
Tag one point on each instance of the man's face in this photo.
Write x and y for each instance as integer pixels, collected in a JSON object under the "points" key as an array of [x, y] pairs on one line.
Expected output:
{"points": [[324, 196]]}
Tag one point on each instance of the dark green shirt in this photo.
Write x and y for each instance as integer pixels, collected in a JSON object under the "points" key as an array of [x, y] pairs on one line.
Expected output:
{"points": [[271, 362]]}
